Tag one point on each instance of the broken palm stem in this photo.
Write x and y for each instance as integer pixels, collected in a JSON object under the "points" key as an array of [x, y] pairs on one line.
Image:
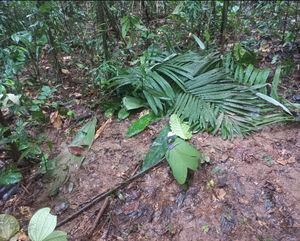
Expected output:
{"points": [[107, 193]]}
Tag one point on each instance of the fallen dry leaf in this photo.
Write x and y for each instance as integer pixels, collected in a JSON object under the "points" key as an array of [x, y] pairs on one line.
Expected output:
{"points": [[220, 193], [76, 150], [55, 119], [25, 211], [65, 58], [65, 71], [292, 159], [77, 95], [22, 236], [284, 161]]}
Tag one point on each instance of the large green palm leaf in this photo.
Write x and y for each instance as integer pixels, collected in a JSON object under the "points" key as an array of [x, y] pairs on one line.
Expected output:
{"points": [[200, 91]]}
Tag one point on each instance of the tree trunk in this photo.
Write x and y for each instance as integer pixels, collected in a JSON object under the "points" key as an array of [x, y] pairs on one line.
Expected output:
{"points": [[55, 60], [297, 24], [114, 24], [112, 21], [145, 11], [285, 23], [102, 27], [51, 39], [214, 18], [223, 24]]}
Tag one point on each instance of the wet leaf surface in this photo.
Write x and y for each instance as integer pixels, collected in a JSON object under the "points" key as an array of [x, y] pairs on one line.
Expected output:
{"points": [[141, 124], [157, 150]]}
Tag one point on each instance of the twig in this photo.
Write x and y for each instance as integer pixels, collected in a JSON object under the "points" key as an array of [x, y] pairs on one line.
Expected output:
{"points": [[107, 193], [99, 215], [25, 189], [101, 129]]}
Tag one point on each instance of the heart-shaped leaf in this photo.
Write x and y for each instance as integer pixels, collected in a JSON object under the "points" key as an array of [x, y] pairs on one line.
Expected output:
{"points": [[41, 225], [182, 156], [9, 225], [57, 236]]}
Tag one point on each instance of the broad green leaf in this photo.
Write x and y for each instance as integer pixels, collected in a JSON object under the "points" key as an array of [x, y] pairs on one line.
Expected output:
{"points": [[65, 163], [248, 73], [140, 124], [23, 36], [125, 23], [123, 114], [151, 102], [85, 135], [41, 225], [72, 156], [158, 149], [274, 102], [14, 98], [182, 156], [56, 236], [179, 128], [10, 176], [9, 226], [132, 103], [199, 42], [109, 112], [275, 83]]}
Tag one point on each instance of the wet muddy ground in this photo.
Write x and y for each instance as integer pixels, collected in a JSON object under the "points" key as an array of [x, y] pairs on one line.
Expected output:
{"points": [[249, 191]]}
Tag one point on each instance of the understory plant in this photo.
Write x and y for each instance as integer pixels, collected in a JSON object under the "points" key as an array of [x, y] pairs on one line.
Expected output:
{"points": [[41, 227], [224, 95], [203, 92]]}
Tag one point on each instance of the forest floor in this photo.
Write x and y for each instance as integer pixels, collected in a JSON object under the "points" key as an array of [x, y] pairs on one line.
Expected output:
{"points": [[250, 190]]}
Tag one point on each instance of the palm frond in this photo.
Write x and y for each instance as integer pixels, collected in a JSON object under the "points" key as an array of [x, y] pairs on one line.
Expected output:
{"points": [[200, 90]]}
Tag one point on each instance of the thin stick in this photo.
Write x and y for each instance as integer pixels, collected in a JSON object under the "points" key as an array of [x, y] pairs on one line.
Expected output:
{"points": [[99, 215], [107, 193], [101, 129]]}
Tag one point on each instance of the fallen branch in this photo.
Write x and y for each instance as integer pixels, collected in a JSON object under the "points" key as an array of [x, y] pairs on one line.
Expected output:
{"points": [[107, 193], [99, 215]]}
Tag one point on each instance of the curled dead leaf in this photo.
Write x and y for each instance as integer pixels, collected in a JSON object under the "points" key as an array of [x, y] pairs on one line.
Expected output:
{"points": [[220, 192], [76, 150], [65, 71], [284, 161], [22, 236], [25, 211], [77, 95], [56, 120]]}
